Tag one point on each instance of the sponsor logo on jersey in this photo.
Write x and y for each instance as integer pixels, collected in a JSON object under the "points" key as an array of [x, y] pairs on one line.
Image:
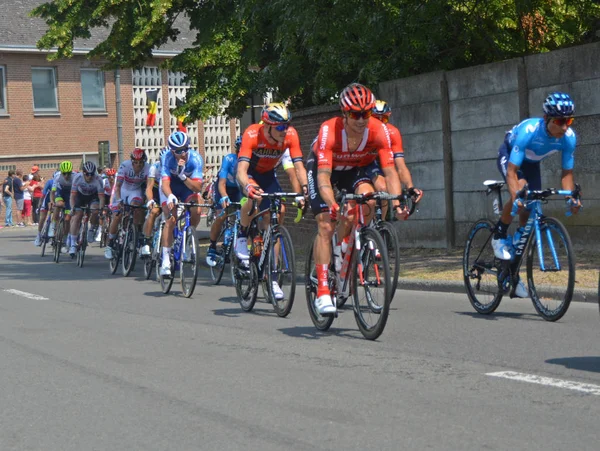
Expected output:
{"points": [[324, 137]]}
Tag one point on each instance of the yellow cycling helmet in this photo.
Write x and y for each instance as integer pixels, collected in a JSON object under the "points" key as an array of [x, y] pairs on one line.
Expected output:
{"points": [[65, 167]]}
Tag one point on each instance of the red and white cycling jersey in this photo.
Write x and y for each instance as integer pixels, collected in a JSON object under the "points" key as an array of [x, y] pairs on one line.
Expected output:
{"points": [[264, 156], [128, 178], [331, 146], [396, 139]]}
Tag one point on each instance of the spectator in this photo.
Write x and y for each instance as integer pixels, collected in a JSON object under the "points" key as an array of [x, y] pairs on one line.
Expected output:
{"points": [[7, 197], [26, 212], [36, 185], [34, 170], [18, 189]]}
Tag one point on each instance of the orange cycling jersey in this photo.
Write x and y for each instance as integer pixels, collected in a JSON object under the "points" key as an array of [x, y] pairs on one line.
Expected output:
{"points": [[332, 152], [396, 139], [264, 156]]}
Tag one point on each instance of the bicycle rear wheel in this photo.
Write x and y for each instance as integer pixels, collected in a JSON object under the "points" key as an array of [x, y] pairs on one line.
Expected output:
{"points": [[311, 284], [188, 271], [44, 236], [480, 269], [390, 237], [58, 241], [371, 292], [551, 288], [116, 253], [166, 282], [281, 270], [129, 248], [82, 245], [216, 272], [246, 286]]}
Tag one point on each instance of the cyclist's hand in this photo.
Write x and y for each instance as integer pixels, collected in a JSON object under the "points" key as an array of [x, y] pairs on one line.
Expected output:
{"points": [[224, 202], [300, 202], [418, 194], [181, 171], [171, 201], [573, 205], [150, 204], [334, 212], [401, 213], [517, 207], [254, 191]]}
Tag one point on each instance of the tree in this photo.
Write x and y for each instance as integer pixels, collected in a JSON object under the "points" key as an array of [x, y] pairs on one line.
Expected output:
{"points": [[307, 50]]}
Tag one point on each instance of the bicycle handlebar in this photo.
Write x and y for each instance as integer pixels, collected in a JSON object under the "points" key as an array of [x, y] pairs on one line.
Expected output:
{"points": [[526, 195]]}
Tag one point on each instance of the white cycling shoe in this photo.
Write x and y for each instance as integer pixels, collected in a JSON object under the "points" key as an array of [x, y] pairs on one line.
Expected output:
{"points": [[521, 291], [145, 250], [108, 253], [165, 271], [38, 241], [501, 248], [324, 305], [277, 291], [98, 236]]}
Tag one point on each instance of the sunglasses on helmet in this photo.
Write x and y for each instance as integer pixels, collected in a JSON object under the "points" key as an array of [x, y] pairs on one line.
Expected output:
{"points": [[356, 115], [564, 121]]}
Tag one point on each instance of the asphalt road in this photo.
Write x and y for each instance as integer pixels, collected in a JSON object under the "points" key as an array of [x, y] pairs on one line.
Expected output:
{"points": [[90, 361]]}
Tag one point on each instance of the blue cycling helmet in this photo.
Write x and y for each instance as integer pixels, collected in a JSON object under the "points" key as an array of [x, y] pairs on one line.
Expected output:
{"points": [[179, 141], [559, 104], [238, 143], [162, 153]]}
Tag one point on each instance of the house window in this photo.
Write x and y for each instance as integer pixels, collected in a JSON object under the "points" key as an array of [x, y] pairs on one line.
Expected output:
{"points": [[2, 90], [43, 80], [92, 90]]}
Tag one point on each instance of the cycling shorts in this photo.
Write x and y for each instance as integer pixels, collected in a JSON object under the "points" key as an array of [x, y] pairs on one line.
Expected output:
{"points": [[82, 200], [181, 192], [268, 183], [64, 195], [530, 172]]}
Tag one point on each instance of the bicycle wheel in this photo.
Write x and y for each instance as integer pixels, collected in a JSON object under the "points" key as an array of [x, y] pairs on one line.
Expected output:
{"points": [[188, 271], [117, 249], [58, 242], [129, 249], [166, 282], [372, 284], [390, 237], [216, 272], [480, 268], [311, 283], [82, 245], [44, 237], [246, 285], [281, 270], [551, 288]]}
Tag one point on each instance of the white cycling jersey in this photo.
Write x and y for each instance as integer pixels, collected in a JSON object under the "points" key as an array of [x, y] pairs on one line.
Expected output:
{"points": [[128, 178], [80, 184]]}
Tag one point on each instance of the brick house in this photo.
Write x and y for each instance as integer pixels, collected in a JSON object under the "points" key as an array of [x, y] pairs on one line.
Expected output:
{"points": [[67, 109]]}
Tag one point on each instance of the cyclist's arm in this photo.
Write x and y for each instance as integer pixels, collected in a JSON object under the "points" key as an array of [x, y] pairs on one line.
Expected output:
{"points": [[293, 176], [567, 180], [512, 180], [149, 186], [403, 172], [73, 197], [324, 186], [222, 187], [118, 185], [242, 174], [166, 186]]}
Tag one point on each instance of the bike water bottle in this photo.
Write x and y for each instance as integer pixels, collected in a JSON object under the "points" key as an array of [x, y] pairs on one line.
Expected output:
{"points": [[257, 245]]}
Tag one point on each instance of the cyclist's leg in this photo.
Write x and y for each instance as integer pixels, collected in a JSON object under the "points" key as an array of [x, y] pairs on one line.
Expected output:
{"points": [[94, 213], [167, 235]]}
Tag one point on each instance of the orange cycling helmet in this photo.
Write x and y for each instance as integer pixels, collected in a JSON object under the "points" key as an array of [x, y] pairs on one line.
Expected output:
{"points": [[111, 172], [356, 97]]}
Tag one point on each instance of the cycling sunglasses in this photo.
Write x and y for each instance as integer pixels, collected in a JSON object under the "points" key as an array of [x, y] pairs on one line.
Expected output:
{"points": [[180, 151], [564, 121], [382, 117], [360, 115], [281, 127], [88, 174]]}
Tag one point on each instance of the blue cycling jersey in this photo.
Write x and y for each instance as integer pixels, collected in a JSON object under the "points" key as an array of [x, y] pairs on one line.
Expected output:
{"points": [[530, 141], [229, 169], [48, 187], [193, 166]]}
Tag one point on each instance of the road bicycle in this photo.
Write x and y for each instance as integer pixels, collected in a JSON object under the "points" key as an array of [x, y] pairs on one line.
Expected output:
{"points": [[184, 253], [105, 218], [127, 241], [272, 260], [59, 233], [227, 239], [154, 243], [45, 239], [82, 241], [364, 275], [548, 252]]}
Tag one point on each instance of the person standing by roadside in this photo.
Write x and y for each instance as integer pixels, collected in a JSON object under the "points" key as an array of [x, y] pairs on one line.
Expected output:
{"points": [[27, 195], [36, 197], [18, 189], [7, 197]]}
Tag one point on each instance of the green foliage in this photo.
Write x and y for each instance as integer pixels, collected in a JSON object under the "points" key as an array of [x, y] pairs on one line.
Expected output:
{"points": [[307, 50]]}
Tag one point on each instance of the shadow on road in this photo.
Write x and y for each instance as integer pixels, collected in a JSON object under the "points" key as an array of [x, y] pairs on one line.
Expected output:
{"points": [[591, 363], [311, 333], [502, 315]]}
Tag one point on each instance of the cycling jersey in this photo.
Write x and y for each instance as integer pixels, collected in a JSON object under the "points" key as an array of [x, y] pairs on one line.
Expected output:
{"points": [[396, 140], [264, 156], [61, 184], [193, 166], [154, 172], [128, 178], [107, 187], [228, 170], [331, 146], [47, 187], [530, 142], [81, 185]]}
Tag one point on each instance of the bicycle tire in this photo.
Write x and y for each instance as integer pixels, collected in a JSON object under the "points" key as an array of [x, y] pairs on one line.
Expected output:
{"points": [[247, 294], [547, 225], [216, 272], [44, 236], [165, 282], [321, 322], [58, 234], [365, 256], [113, 263], [390, 237], [190, 251], [129, 251], [477, 263], [284, 268], [82, 245]]}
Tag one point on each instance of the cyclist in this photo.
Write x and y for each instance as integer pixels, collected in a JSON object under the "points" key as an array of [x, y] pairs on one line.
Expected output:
{"points": [[46, 205], [87, 190], [262, 148], [382, 111], [341, 155], [128, 188], [226, 190], [181, 179], [108, 178], [60, 197], [519, 156], [153, 202]]}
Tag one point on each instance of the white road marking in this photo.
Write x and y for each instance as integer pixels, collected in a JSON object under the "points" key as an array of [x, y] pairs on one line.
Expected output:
{"points": [[35, 297], [548, 381]]}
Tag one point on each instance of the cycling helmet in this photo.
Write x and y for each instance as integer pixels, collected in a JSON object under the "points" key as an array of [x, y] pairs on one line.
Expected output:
{"points": [[382, 108], [179, 141], [138, 154], [559, 104], [356, 97], [276, 114], [238, 143], [162, 153], [66, 166], [89, 167], [110, 172]]}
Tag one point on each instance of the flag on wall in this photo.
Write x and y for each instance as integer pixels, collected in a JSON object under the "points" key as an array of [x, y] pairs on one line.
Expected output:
{"points": [[151, 106], [181, 119]]}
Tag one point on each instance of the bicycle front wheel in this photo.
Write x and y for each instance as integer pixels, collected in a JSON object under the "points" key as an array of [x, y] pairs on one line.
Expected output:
{"points": [[551, 270], [311, 284], [390, 237], [216, 272], [480, 269], [188, 271], [166, 282], [58, 241], [44, 237], [82, 246], [129, 249], [371, 292], [281, 272]]}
